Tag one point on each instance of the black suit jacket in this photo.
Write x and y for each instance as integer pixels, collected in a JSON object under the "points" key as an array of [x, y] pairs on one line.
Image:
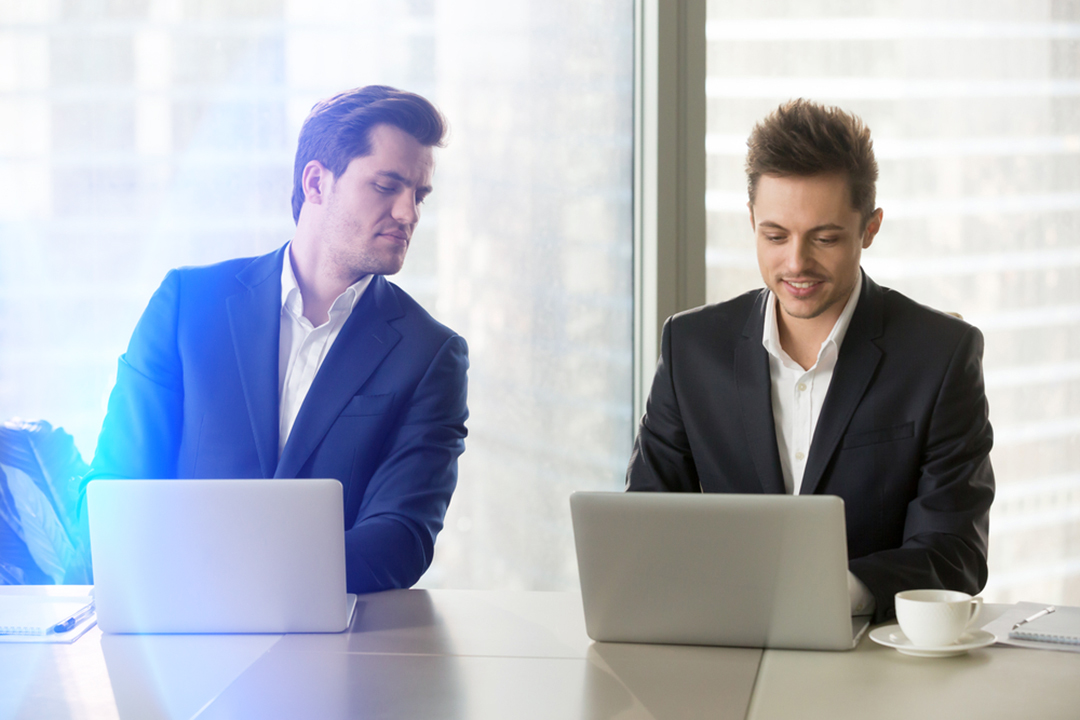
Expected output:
{"points": [[903, 436]]}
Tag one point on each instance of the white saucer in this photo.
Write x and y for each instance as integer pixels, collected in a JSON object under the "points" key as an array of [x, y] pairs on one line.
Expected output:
{"points": [[892, 636]]}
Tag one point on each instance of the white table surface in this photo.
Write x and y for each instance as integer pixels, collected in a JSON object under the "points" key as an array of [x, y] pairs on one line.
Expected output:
{"points": [[879, 682], [485, 654], [473, 654], [408, 654]]}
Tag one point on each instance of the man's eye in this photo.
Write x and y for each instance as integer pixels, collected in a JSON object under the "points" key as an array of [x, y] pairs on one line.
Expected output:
{"points": [[774, 238], [383, 188], [828, 240]]}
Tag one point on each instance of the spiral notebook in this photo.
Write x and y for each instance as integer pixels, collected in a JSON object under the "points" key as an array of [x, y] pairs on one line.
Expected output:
{"points": [[41, 616], [1060, 626]]}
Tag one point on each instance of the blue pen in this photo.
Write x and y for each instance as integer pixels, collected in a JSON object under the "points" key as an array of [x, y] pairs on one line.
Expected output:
{"points": [[74, 619]]}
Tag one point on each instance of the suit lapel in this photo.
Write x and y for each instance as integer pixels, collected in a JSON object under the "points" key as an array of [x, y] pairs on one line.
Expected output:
{"points": [[255, 322], [364, 342], [755, 399], [859, 358]]}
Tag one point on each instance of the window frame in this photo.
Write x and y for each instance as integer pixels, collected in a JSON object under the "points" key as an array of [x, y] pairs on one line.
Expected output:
{"points": [[669, 174]]}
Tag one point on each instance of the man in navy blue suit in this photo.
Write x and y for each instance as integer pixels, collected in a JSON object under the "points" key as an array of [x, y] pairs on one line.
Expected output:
{"points": [[307, 362]]}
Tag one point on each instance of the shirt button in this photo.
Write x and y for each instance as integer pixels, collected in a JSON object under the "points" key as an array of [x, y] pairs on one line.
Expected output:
{"points": [[799, 456], [802, 387]]}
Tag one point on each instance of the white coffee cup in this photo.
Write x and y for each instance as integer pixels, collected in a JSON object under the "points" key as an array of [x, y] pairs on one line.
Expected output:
{"points": [[935, 618]]}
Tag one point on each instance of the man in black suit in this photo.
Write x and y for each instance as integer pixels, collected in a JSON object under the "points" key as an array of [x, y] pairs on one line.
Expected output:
{"points": [[825, 382]]}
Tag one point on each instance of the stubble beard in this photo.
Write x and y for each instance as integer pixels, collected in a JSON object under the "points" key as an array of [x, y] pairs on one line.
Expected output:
{"points": [[820, 310], [365, 252], [363, 262]]}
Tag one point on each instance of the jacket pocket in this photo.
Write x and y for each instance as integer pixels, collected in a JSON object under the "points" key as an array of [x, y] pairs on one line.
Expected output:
{"points": [[881, 435], [368, 405]]}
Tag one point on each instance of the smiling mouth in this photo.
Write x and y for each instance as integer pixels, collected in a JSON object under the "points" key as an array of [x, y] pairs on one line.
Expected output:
{"points": [[799, 290]]}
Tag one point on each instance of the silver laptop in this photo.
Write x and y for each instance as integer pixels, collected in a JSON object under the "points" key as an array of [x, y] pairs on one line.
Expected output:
{"points": [[218, 556], [712, 569]]}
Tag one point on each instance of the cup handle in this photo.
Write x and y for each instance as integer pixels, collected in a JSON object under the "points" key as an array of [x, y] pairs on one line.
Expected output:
{"points": [[976, 610]]}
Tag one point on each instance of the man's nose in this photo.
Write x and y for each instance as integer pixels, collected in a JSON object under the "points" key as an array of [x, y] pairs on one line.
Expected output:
{"points": [[406, 210], [799, 254]]}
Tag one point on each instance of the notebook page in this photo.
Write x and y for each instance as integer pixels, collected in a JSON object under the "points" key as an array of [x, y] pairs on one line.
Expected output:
{"points": [[36, 615], [1062, 625]]}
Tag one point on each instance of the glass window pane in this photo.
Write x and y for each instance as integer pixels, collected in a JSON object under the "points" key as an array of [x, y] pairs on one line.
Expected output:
{"points": [[975, 110], [140, 135]]}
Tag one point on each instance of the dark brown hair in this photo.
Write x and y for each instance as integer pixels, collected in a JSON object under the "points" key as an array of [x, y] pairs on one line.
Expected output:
{"points": [[339, 129], [803, 138]]}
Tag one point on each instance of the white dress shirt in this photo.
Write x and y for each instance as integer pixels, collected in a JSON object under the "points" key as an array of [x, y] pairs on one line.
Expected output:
{"points": [[797, 394], [302, 346], [797, 397]]}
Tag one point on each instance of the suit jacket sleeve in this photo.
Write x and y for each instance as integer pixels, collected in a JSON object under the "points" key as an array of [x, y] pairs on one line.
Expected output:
{"points": [[662, 459], [947, 523], [392, 542], [140, 436]]}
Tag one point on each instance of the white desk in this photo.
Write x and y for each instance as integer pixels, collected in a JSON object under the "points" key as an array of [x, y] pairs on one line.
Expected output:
{"points": [[473, 654], [408, 654], [878, 682]]}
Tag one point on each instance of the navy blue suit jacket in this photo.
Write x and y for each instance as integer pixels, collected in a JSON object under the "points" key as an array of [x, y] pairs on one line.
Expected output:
{"points": [[903, 436], [196, 396]]}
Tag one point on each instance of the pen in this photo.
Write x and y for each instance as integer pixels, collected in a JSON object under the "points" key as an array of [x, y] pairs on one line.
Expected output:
{"points": [[1045, 611], [74, 619]]}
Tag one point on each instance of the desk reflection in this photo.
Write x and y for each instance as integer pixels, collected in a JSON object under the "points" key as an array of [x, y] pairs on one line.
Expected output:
{"points": [[409, 654], [679, 681], [173, 677], [335, 686], [460, 622]]}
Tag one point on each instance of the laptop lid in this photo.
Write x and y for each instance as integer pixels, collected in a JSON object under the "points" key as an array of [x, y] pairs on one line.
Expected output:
{"points": [[218, 556], [714, 569]]}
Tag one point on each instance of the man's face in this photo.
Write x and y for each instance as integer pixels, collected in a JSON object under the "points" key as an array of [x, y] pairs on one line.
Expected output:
{"points": [[809, 241], [372, 209]]}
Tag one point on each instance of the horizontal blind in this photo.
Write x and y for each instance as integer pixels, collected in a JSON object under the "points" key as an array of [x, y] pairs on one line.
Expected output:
{"points": [[975, 113], [137, 136]]}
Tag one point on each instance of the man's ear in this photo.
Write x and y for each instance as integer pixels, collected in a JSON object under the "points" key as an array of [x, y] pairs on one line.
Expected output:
{"points": [[872, 227], [315, 181], [750, 207]]}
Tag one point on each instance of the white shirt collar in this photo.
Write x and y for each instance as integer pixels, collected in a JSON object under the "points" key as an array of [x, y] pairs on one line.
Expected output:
{"points": [[292, 301], [770, 336]]}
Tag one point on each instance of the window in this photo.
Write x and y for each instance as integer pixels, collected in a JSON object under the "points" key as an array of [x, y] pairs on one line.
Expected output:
{"points": [[975, 110], [139, 135]]}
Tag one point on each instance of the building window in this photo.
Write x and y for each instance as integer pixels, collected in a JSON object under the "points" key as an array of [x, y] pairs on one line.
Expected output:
{"points": [[140, 135], [975, 110]]}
